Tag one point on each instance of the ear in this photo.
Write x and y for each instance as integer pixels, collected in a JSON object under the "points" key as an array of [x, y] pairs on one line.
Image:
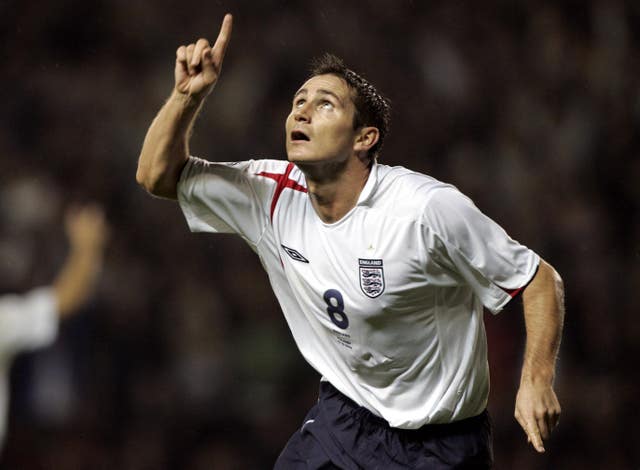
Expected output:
{"points": [[366, 138]]}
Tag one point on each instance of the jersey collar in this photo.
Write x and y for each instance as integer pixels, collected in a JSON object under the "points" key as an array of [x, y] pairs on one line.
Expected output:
{"points": [[369, 186]]}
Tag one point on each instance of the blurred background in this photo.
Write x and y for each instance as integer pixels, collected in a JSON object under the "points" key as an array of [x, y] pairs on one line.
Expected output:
{"points": [[183, 360]]}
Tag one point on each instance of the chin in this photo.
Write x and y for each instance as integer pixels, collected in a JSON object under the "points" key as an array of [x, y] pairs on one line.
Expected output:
{"points": [[296, 158]]}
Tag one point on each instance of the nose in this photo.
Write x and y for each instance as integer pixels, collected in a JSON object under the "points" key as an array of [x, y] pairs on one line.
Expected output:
{"points": [[301, 114]]}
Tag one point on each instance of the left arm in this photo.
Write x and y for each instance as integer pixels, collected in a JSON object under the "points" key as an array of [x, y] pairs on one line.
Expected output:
{"points": [[537, 408]]}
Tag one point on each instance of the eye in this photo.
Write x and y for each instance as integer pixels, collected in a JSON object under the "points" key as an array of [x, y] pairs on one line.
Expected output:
{"points": [[299, 103], [326, 104]]}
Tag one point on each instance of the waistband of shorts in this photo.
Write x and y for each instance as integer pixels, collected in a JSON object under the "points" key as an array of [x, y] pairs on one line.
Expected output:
{"points": [[328, 391]]}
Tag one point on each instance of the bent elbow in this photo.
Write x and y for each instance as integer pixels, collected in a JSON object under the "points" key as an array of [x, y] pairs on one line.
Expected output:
{"points": [[157, 184], [141, 178], [145, 179]]}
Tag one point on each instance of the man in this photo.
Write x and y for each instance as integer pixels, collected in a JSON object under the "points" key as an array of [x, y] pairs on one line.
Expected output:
{"points": [[381, 273], [30, 321]]}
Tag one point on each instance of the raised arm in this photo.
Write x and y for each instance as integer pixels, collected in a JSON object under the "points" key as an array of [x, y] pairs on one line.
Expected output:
{"points": [[537, 407], [87, 232], [166, 145]]}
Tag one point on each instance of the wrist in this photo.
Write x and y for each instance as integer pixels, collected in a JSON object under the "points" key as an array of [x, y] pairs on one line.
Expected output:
{"points": [[537, 376], [186, 100]]}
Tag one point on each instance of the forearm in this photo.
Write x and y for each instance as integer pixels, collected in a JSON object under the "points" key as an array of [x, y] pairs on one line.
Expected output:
{"points": [[166, 146], [76, 280], [544, 316], [537, 407]]}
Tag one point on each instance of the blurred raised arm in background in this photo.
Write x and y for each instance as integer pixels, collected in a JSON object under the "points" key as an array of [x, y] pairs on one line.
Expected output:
{"points": [[87, 233], [29, 321]]}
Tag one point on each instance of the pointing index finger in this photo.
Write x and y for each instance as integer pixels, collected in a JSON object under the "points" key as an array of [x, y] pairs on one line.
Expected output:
{"points": [[533, 435], [220, 46]]}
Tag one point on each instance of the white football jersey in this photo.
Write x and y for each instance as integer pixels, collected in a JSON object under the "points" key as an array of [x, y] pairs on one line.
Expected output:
{"points": [[27, 322], [387, 303]]}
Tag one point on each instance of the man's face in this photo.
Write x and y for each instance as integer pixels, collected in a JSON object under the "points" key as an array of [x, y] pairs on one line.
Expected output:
{"points": [[320, 125]]}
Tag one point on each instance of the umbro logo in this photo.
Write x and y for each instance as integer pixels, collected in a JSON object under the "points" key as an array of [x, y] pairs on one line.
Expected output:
{"points": [[294, 254]]}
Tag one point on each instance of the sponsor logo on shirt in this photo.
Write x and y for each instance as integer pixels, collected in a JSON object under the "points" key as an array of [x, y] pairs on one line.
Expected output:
{"points": [[293, 254], [371, 277]]}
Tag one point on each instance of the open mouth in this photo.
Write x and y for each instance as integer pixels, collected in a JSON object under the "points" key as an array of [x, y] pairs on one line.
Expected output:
{"points": [[297, 136]]}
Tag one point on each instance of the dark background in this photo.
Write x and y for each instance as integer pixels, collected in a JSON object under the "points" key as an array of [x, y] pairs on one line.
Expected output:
{"points": [[183, 359]]}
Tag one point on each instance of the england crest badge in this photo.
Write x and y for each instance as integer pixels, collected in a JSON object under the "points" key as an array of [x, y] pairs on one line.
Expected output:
{"points": [[371, 277]]}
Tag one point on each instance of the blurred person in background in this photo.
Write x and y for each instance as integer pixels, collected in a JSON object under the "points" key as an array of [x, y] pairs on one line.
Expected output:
{"points": [[405, 377], [30, 321]]}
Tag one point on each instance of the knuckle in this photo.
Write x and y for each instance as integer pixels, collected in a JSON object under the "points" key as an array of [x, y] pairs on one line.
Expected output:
{"points": [[541, 412]]}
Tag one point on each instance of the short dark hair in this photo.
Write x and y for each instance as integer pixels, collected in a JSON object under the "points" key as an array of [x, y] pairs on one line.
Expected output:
{"points": [[372, 109]]}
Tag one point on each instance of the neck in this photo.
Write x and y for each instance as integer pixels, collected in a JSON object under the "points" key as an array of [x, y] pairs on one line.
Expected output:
{"points": [[334, 189]]}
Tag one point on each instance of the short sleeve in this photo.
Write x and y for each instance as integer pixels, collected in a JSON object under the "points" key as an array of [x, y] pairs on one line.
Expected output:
{"points": [[226, 197], [29, 321], [476, 248]]}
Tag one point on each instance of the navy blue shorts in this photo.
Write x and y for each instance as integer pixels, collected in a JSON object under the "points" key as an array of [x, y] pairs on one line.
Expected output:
{"points": [[339, 434]]}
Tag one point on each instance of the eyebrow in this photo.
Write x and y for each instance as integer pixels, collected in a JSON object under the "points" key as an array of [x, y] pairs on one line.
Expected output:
{"points": [[321, 91]]}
